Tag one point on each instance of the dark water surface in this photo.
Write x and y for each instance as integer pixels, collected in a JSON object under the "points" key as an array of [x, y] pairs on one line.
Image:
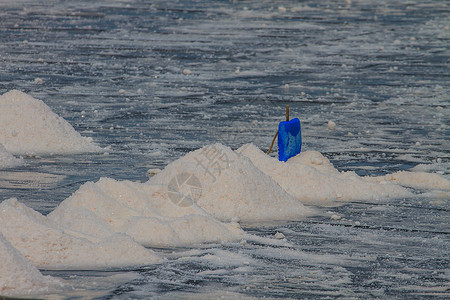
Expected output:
{"points": [[116, 70]]}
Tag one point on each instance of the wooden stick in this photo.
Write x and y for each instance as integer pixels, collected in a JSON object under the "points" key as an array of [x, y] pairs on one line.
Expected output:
{"points": [[276, 134], [273, 141]]}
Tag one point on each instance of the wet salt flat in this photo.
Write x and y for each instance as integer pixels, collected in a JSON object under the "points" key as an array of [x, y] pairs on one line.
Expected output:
{"points": [[151, 82]]}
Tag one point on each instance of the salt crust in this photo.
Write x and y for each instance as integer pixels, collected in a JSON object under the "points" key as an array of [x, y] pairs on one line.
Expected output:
{"points": [[142, 211], [312, 179], [18, 275], [7, 160], [30, 127], [416, 180], [47, 244]]}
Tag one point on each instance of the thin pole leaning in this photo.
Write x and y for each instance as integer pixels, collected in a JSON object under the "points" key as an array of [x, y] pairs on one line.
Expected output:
{"points": [[276, 134]]}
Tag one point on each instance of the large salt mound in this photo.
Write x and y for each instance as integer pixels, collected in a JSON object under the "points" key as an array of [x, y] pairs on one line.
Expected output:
{"points": [[142, 211], [18, 275], [231, 186], [7, 160], [312, 179], [28, 126], [48, 245]]}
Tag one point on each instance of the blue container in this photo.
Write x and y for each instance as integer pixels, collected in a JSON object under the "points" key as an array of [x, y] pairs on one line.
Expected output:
{"points": [[289, 139]]}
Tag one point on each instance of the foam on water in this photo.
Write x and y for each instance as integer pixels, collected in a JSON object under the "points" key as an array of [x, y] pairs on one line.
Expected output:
{"points": [[29, 126]]}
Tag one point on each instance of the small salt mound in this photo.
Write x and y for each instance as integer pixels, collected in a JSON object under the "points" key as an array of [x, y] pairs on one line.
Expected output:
{"points": [[18, 275], [142, 211], [417, 180], [311, 178], [436, 167], [50, 246], [231, 186], [28, 126], [7, 160]]}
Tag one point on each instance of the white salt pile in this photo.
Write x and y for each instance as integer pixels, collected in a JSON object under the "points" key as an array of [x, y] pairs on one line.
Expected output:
{"points": [[232, 187], [18, 275], [28, 126], [312, 179], [142, 211], [49, 245], [7, 160]]}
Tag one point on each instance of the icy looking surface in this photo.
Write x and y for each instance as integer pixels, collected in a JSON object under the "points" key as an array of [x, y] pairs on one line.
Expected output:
{"points": [[156, 81], [28, 126]]}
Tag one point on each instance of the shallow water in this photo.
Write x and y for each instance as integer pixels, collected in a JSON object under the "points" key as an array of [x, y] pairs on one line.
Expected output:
{"points": [[379, 70]]}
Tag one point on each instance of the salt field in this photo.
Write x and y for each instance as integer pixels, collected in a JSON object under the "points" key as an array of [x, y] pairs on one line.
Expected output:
{"points": [[133, 141]]}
